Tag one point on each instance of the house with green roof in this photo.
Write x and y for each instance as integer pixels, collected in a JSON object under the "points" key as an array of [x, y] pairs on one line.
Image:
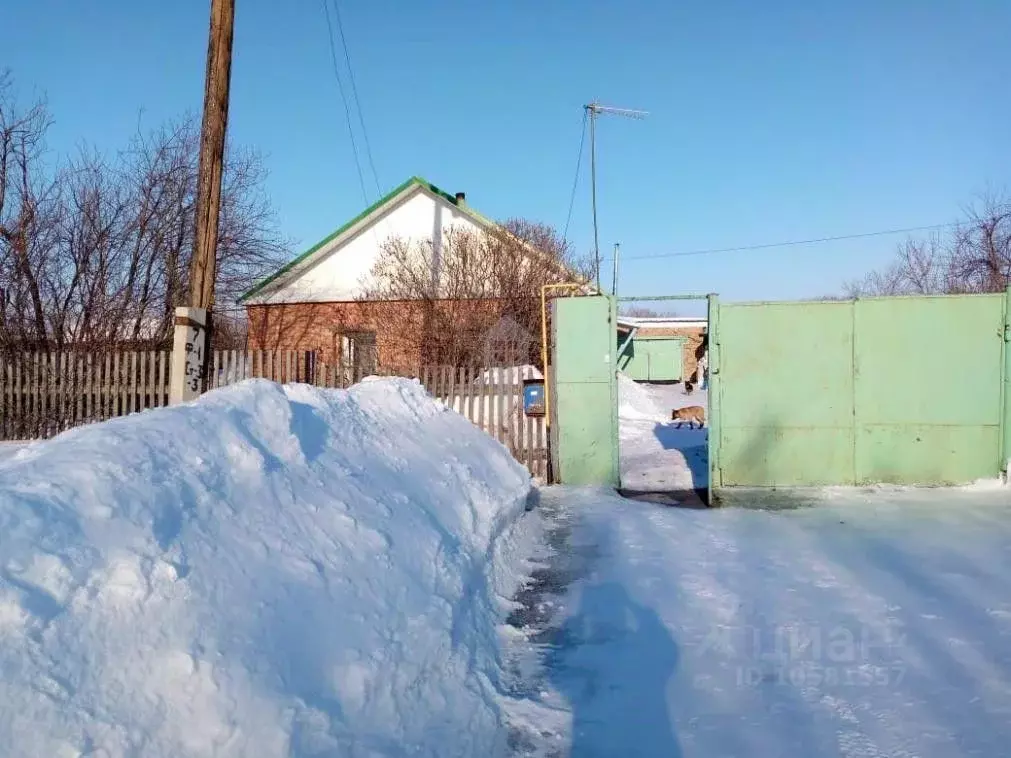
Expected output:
{"points": [[318, 300]]}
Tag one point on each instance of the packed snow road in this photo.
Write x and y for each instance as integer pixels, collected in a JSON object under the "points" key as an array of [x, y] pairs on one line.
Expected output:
{"points": [[874, 623]]}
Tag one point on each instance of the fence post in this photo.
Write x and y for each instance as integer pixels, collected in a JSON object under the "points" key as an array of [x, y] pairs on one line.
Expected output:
{"points": [[188, 346], [713, 389], [1005, 419]]}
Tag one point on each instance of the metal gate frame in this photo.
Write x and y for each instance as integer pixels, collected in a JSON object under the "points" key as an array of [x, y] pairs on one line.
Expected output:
{"points": [[712, 395]]}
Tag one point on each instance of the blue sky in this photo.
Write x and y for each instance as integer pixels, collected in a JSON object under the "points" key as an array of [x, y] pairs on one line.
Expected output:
{"points": [[768, 121]]}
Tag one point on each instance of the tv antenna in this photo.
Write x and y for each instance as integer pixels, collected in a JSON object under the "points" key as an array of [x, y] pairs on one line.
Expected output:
{"points": [[593, 110]]}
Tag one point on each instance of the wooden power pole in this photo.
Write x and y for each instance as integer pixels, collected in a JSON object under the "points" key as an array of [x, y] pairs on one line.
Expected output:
{"points": [[191, 353]]}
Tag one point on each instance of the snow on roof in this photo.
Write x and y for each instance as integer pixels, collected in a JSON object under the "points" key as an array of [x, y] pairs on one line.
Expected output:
{"points": [[267, 571], [664, 322]]}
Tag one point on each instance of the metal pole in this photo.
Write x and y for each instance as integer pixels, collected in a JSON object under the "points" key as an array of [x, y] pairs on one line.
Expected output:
{"points": [[593, 186], [614, 284]]}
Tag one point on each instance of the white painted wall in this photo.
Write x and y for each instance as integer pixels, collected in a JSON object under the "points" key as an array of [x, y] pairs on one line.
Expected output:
{"points": [[341, 270]]}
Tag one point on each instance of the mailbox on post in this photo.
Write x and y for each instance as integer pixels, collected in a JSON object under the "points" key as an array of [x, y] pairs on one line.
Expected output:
{"points": [[533, 397]]}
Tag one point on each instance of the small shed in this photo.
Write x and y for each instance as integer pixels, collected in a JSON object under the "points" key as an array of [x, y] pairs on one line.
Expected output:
{"points": [[659, 349]]}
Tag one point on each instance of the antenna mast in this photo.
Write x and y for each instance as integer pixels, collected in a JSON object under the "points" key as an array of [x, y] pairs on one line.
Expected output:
{"points": [[593, 110]]}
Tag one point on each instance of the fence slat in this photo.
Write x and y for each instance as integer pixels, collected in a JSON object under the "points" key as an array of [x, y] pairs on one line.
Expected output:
{"points": [[501, 408], [117, 386], [458, 401], [18, 399], [482, 395], [86, 387], [41, 403], [71, 391], [164, 360], [94, 386], [103, 380], [66, 379], [451, 388], [69, 387], [524, 447], [6, 419], [11, 414], [135, 381], [150, 384], [126, 384], [40, 397], [44, 379], [142, 381], [77, 398], [131, 366], [56, 392], [18, 418]]}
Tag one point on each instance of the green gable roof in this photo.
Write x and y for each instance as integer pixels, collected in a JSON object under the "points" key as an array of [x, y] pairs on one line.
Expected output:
{"points": [[413, 181]]}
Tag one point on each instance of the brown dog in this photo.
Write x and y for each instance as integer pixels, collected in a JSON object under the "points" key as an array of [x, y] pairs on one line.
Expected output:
{"points": [[693, 414]]}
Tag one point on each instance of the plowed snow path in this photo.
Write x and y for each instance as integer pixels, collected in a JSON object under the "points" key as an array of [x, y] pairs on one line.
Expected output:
{"points": [[872, 624], [656, 456]]}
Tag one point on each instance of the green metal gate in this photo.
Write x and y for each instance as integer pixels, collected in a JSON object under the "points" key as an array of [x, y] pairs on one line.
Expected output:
{"points": [[654, 359], [903, 390], [583, 391]]}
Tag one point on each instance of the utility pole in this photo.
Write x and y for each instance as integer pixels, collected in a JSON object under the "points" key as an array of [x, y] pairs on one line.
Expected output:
{"points": [[193, 324], [593, 110]]}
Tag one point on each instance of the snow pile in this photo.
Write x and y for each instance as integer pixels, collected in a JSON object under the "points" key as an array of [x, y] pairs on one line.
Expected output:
{"points": [[635, 402], [8, 449], [268, 571]]}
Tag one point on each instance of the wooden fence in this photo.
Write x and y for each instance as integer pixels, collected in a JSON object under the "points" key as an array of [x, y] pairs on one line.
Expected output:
{"points": [[43, 394], [491, 398]]}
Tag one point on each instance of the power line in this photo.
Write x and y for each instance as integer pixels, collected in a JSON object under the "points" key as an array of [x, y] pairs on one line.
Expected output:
{"points": [[354, 93], [344, 99], [575, 182], [791, 243]]}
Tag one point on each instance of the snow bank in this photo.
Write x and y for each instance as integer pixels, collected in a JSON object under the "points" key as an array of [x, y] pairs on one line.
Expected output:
{"points": [[8, 449], [268, 571], [635, 402]]}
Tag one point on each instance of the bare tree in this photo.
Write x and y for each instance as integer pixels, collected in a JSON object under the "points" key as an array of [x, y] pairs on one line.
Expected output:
{"points": [[95, 250], [920, 267], [980, 256], [974, 257], [639, 311], [455, 295]]}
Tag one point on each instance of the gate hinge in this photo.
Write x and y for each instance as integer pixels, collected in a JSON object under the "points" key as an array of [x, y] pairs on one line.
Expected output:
{"points": [[1007, 332]]}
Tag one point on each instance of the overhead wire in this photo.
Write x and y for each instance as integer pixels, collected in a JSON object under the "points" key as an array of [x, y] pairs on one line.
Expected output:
{"points": [[789, 243], [354, 94], [575, 181], [344, 99]]}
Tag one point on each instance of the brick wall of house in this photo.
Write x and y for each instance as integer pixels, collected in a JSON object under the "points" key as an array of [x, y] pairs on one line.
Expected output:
{"points": [[692, 345], [400, 327]]}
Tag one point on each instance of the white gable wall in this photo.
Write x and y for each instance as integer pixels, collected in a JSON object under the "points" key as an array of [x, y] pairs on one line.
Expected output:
{"points": [[341, 272]]}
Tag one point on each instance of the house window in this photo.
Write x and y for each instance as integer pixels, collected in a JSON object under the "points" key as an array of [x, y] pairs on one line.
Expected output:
{"points": [[358, 354]]}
